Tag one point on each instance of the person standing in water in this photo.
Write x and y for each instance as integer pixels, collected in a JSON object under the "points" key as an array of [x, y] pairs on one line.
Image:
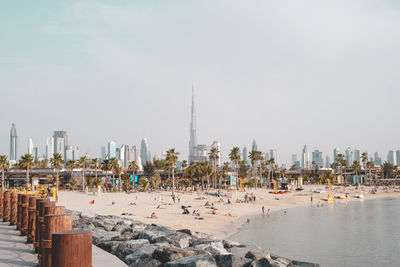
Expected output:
{"points": [[263, 210]]}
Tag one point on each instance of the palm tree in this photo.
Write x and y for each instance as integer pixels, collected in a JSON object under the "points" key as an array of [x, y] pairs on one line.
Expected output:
{"points": [[70, 165], [133, 167], [26, 163], [356, 167], [57, 163], [172, 159], [184, 166], [214, 156], [114, 163], [118, 171], [271, 163], [341, 162], [226, 168], [94, 164], [204, 171], [106, 166], [370, 166], [82, 164], [254, 157], [4, 165], [234, 156]]}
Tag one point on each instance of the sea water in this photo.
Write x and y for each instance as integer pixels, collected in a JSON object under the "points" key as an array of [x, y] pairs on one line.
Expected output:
{"points": [[361, 233]]}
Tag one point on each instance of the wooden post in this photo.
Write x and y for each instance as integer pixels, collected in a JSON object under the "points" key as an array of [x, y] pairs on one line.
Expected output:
{"points": [[19, 211], [14, 209], [42, 205], [31, 220], [24, 214], [71, 248], [53, 223], [1, 204], [39, 202], [6, 206]]}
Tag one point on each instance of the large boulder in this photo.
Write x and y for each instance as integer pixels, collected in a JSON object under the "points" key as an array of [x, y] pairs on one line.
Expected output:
{"points": [[152, 236], [231, 244], [202, 260], [177, 239], [109, 246], [202, 243], [141, 256], [100, 236], [126, 236], [304, 264], [88, 214], [167, 254], [129, 247]]}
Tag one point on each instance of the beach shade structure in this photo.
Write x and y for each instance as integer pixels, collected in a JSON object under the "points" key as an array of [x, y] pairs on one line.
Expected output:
{"points": [[24, 214], [1, 204], [71, 248], [39, 204], [48, 210], [31, 220], [14, 209], [19, 211], [6, 206], [53, 223]]}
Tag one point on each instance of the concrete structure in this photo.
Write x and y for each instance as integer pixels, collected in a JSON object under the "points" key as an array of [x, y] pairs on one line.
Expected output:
{"points": [[13, 144]]}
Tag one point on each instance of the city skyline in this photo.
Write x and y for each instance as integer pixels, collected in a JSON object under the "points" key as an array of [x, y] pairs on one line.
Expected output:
{"points": [[98, 72]]}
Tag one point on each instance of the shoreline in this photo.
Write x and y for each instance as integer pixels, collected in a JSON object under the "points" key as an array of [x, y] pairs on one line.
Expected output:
{"points": [[139, 206]]}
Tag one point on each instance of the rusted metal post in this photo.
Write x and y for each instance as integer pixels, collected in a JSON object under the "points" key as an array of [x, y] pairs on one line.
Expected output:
{"points": [[14, 209], [71, 248], [6, 206], [53, 223], [24, 214], [1, 204], [39, 203], [31, 220], [41, 224], [19, 211]]}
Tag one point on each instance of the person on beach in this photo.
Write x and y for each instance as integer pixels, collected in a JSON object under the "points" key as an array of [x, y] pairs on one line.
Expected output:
{"points": [[263, 211], [311, 199], [153, 216], [269, 212]]}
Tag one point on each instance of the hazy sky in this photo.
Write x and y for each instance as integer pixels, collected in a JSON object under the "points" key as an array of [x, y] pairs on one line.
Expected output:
{"points": [[287, 73]]}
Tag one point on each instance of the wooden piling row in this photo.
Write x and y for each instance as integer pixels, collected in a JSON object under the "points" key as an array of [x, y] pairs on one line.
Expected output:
{"points": [[48, 228], [14, 209]]}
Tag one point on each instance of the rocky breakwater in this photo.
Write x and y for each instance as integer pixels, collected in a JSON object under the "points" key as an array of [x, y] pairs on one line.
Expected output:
{"points": [[138, 244]]}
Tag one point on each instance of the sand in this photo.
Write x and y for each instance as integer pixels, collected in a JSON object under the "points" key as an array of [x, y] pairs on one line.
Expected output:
{"points": [[142, 204]]}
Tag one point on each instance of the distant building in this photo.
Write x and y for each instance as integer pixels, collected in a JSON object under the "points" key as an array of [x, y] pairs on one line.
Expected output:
{"points": [[30, 146], [217, 145], [348, 157], [60, 142], [266, 157], [336, 151], [111, 150], [254, 146], [35, 152], [103, 153], [273, 154], [72, 153], [391, 158], [245, 154], [13, 144], [294, 159], [398, 157], [49, 147], [305, 158], [377, 159], [144, 151], [317, 158], [327, 162], [357, 156]]}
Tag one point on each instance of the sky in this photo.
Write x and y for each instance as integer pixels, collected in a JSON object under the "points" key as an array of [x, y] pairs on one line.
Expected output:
{"points": [[286, 73]]}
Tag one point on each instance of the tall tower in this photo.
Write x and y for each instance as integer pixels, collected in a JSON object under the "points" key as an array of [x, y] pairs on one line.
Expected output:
{"points": [[144, 151], [13, 143], [193, 138]]}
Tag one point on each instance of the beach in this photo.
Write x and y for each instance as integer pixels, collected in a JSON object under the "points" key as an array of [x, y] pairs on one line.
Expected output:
{"points": [[139, 206]]}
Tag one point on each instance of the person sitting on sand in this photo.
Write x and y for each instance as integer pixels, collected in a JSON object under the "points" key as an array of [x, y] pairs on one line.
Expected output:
{"points": [[153, 216], [207, 204], [214, 212]]}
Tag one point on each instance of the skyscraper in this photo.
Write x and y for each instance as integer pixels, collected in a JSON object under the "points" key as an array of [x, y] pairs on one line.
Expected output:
{"points": [[327, 162], [13, 144], [254, 146], [305, 158], [273, 154], [245, 154], [49, 147], [103, 153], [391, 158], [317, 158], [111, 150], [71, 153], [197, 152], [357, 156], [193, 137], [30, 146], [336, 151], [348, 156], [60, 142], [144, 151], [398, 157]]}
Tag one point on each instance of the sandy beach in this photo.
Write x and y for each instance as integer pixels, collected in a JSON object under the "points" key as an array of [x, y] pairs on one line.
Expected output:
{"points": [[139, 206]]}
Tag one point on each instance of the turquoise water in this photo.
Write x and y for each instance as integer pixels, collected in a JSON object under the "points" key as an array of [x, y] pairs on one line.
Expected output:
{"points": [[362, 233]]}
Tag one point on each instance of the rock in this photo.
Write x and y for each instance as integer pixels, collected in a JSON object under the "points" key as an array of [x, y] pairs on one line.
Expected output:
{"points": [[202, 243], [202, 260], [100, 236], [304, 264], [141, 256], [167, 254], [283, 261], [126, 236], [88, 214], [151, 236], [122, 228], [238, 256], [129, 247], [185, 231], [109, 246], [231, 244], [256, 254], [177, 239]]}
